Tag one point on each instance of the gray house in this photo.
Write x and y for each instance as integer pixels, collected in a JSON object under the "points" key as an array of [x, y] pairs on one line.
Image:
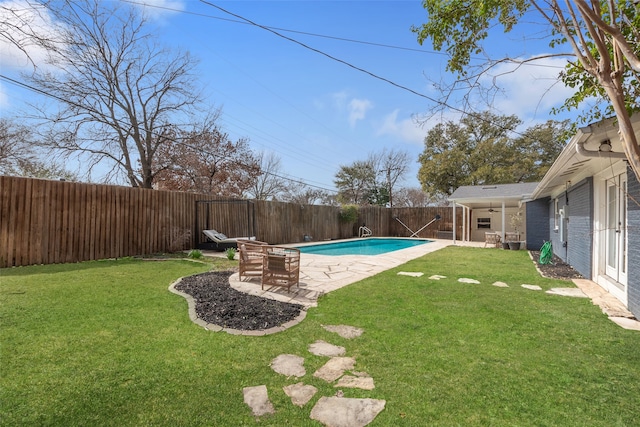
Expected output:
{"points": [[590, 203], [587, 205]]}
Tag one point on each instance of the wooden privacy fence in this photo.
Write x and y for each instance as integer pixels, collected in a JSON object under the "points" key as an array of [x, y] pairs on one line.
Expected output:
{"points": [[48, 222]]}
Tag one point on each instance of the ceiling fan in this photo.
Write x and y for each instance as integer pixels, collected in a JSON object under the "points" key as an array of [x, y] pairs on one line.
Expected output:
{"points": [[491, 210]]}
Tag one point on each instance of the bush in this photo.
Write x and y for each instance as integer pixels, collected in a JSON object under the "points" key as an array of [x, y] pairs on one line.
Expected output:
{"points": [[348, 213], [231, 253], [195, 254]]}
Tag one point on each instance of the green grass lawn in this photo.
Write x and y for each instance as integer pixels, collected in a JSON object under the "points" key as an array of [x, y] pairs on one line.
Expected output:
{"points": [[106, 344]]}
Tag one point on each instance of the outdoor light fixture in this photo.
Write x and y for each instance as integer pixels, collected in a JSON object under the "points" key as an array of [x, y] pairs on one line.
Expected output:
{"points": [[605, 146]]}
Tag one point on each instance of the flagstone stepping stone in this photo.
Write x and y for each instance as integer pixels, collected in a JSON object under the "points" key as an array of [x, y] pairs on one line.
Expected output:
{"points": [[500, 284], [257, 399], [532, 287], [344, 331], [346, 412], [323, 348], [410, 273], [349, 381], [567, 292], [626, 323], [334, 368], [437, 277], [299, 393], [466, 280], [289, 365]]}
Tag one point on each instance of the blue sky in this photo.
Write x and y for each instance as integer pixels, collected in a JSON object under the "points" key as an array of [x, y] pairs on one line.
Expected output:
{"points": [[313, 112]]}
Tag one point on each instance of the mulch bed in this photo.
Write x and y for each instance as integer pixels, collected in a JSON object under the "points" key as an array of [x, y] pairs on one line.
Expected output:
{"points": [[218, 303], [557, 269]]}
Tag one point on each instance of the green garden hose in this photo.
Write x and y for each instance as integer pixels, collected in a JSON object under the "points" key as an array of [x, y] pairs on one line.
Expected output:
{"points": [[546, 253]]}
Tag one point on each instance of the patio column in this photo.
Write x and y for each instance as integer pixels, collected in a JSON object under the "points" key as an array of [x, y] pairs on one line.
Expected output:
{"points": [[454, 223], [464, 223], [503, 221]]}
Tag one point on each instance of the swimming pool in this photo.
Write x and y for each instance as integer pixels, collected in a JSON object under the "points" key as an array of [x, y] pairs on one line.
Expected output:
{"points": [[368, 246]]}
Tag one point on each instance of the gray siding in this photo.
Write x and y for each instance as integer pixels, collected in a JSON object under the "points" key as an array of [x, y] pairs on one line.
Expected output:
{"points": [[580, 227], [633, 243], [537, 226], [559, 247]]}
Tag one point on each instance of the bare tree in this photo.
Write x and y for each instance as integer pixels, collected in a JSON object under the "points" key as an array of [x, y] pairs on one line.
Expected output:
{"points": [[298, 192], [391, 167], [16, 146], [24, 29], [120, 93], [269, 184], [416, 198], [205, 160], [19, 155]]}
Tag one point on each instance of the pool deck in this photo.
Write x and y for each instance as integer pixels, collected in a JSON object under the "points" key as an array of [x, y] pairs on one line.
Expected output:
{"points": [[320, 274]]}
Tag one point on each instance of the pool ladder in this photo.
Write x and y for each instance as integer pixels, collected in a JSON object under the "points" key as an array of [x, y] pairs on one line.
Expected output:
{"points": [[364, 232]]}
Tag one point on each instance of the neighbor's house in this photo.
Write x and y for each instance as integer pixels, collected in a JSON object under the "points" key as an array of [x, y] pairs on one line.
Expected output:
{"points": [[587, 206]]}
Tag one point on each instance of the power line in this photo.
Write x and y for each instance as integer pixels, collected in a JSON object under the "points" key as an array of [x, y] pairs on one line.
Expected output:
{"points": [[325, 36], [362, 70]]}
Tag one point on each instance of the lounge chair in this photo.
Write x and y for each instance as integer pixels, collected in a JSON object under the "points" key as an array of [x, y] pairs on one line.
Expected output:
{"points": [[281, 267], [251, 255], [219, 241]]}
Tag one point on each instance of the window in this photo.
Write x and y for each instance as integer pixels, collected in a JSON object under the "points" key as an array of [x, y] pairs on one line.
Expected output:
{"points": [[484, 223], [556, 215]]}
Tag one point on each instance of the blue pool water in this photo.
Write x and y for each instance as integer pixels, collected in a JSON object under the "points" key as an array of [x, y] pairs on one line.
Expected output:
{"points": [[369, 246]]}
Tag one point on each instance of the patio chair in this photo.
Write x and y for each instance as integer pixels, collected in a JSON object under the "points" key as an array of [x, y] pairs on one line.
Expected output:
{"points": [[491, 238], [281, 267], [219, 241], [251, 254]]}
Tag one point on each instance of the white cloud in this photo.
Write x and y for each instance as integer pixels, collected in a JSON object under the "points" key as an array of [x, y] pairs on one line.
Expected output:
{"points": [[355, 108], [358, 110], [406, 129], [529, 90]]}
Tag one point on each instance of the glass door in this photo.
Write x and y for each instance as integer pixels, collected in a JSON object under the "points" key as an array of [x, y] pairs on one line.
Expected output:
{"points": [[616, 221]]}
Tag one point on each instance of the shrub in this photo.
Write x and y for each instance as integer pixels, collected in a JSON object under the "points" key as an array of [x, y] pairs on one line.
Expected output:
{"points": [[348, 213], [231, 253], [195, 254]]}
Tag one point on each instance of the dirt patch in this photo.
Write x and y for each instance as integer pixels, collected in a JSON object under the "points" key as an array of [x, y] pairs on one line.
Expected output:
{"points": [[557, 269], [218, 303]]}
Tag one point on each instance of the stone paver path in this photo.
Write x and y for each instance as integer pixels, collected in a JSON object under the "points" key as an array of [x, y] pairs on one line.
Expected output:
{"points": [[258, 400], [322, 348], [345, 412], [344, 331], [333, 411], [289, 365], [300, 393]]}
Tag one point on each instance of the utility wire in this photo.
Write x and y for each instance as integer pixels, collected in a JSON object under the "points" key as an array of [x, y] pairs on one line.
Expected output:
{"points": [[362, 70], [325, 36], [90, 110]]}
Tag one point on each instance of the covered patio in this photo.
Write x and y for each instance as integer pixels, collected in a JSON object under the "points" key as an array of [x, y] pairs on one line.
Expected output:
{"points": [[497, 209]]}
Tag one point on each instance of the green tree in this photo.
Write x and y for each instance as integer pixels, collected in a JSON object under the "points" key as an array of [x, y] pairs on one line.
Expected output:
{"points": [[603, 37], [355, 182], [482, 151]]}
